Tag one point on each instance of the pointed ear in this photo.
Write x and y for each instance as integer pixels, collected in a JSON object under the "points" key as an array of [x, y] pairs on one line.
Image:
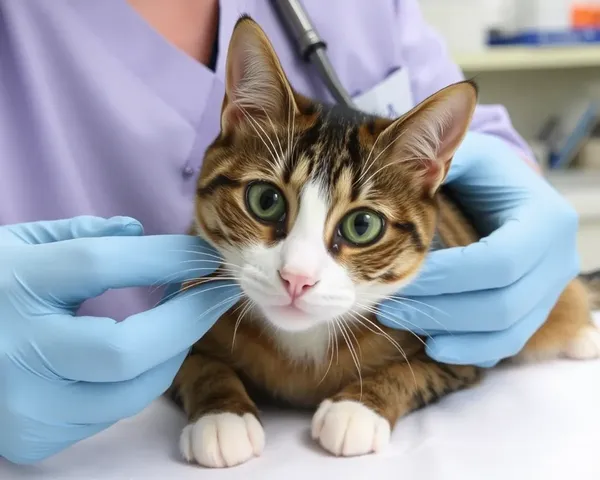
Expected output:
{"points": [[425, 139], [255, 84]]}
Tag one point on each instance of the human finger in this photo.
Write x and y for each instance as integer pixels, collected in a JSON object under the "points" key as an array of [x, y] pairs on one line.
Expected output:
{"points": [[97, 349], [35, 233], [477, 311], [107, 402], [496, 261], [486, 349], [81, 269]]}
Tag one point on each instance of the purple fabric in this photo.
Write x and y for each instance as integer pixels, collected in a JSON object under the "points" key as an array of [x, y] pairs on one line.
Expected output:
{"points": [[100, 115]]}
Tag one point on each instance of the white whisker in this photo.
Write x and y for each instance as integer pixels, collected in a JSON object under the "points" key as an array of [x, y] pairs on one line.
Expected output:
{"points": [[248, 305], [189, 287], [352, 351], [279, 158], [421, 312], [389, 339], [272, 150], [330, 340], [399, 322]]}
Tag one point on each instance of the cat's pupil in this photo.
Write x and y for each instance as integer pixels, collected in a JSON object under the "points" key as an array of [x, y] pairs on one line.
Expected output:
{"points": [[362, 221], [268, 199]]}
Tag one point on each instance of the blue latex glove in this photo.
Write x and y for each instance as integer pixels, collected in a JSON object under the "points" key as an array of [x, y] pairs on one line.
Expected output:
{"points": [[482, 303], [64, 378]]}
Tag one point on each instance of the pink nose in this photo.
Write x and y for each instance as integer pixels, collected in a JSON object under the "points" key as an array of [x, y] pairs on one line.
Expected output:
{"points": [[295, 284]]}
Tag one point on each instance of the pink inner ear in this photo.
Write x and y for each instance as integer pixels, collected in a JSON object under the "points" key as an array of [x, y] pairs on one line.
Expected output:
{"points": [[433, 171], [434, 132]]}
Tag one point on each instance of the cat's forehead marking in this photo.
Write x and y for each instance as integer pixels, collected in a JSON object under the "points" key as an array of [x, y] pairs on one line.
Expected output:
{"points": [[330, 151]]}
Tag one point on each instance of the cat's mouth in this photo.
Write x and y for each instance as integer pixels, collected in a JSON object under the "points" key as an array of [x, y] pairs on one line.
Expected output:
{"points": [[291, 317]]}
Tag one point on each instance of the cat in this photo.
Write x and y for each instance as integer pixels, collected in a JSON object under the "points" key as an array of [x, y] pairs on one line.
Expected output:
{"points": [[320, 213]]}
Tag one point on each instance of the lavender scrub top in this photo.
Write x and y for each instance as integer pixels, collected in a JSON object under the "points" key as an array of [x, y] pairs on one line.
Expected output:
{"points": [[100, 115]]}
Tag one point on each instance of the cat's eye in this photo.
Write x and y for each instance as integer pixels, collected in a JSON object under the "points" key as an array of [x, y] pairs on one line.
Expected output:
{"points": [[265, 202], [362, 227]]}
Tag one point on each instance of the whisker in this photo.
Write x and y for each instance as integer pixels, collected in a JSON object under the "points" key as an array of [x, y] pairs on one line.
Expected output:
{"points": [[397, 298], [353, 354], [289, 132], [188, 287], [400, 323], [387, 164], [369, 165], [272, 151], [248, 302], [205, 254], [391, 340], [280, 159], [337, 346], [330, 341], [421, 312], [222, 302], [169, 278], [210, 261]]}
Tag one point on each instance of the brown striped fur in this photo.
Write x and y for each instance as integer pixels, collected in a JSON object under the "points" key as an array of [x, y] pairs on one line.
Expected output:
{"points": [[395, 376]]}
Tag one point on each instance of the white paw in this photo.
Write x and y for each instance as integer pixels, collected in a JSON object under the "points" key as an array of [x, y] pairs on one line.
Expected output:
{"points": [[349, 428], [222, 440], [586, 346]]}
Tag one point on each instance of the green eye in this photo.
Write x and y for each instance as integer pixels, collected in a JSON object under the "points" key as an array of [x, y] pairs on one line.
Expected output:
{"points": [[362, 227], [265, 202]]}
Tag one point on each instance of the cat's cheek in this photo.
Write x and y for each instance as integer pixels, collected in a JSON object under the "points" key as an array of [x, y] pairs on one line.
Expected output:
{"points": [[348, 428]]}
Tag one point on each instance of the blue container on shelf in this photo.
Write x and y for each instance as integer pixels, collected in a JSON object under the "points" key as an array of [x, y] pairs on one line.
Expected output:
{"points": [[545, 38]]}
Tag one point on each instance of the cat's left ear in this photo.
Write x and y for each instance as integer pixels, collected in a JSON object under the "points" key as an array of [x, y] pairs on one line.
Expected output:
{"points": [[425, 139], [256, 87]]}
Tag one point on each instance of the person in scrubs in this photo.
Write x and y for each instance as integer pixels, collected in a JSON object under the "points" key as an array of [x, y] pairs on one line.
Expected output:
{"points": [[106, 108]]}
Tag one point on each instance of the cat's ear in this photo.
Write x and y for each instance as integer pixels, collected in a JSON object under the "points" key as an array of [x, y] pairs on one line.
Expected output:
{"points": [[256, 87], [425, 139]]}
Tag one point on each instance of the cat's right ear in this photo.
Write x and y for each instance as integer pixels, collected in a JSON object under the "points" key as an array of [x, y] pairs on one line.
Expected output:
{"points": [[256, 88]]}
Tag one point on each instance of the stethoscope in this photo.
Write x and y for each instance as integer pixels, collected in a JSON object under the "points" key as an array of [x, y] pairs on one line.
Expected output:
{"points": [[310, 46]]}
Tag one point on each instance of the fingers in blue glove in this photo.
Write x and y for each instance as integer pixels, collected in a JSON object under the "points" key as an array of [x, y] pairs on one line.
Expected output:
{"points": [[84, 268], [105, 403], [506, 252], [478, 348], [471, 313], [85, 226], [123, 351], [32, 446]]}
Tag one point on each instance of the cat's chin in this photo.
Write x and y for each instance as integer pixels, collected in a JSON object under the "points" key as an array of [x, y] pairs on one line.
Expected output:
{"points": [[292, 318]]}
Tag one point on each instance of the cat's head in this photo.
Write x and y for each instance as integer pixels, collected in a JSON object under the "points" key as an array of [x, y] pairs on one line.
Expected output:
{"points": [[317, 212]]}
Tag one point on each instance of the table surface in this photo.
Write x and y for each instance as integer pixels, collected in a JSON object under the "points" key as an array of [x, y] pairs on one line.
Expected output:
{"points": [[528, 422]]}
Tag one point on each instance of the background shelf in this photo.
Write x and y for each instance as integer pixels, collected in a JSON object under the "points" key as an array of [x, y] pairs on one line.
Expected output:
{"points": [[529, 58]]}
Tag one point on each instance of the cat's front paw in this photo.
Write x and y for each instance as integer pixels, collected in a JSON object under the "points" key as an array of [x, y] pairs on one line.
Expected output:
{"points": [[349, 428], [221, 440]]}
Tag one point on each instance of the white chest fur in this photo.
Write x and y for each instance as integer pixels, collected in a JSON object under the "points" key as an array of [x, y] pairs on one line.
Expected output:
{"points": [[311, 345]]}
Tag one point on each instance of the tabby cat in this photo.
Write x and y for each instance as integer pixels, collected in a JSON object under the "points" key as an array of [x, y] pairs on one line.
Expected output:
{"points": [[319, 214]]}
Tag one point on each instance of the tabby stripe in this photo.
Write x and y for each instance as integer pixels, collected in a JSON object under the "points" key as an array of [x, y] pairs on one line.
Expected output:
{"points": [[217, 182], [410, 228], [306, 143]]}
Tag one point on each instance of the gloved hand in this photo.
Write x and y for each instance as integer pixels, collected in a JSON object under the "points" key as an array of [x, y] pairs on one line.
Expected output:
{"points": [[64, 378], [482, 303]]}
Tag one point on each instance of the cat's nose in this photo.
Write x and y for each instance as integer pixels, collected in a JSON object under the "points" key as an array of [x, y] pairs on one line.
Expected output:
{"points": [[296, 284]]}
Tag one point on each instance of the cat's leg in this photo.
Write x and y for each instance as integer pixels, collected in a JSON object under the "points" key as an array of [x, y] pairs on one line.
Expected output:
{"points": [[359, 419], [568, 331], [223, 428]]}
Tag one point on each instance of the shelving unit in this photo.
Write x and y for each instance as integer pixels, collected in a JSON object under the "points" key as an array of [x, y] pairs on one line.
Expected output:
{"points": [[496, 59], [533, 83]]}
